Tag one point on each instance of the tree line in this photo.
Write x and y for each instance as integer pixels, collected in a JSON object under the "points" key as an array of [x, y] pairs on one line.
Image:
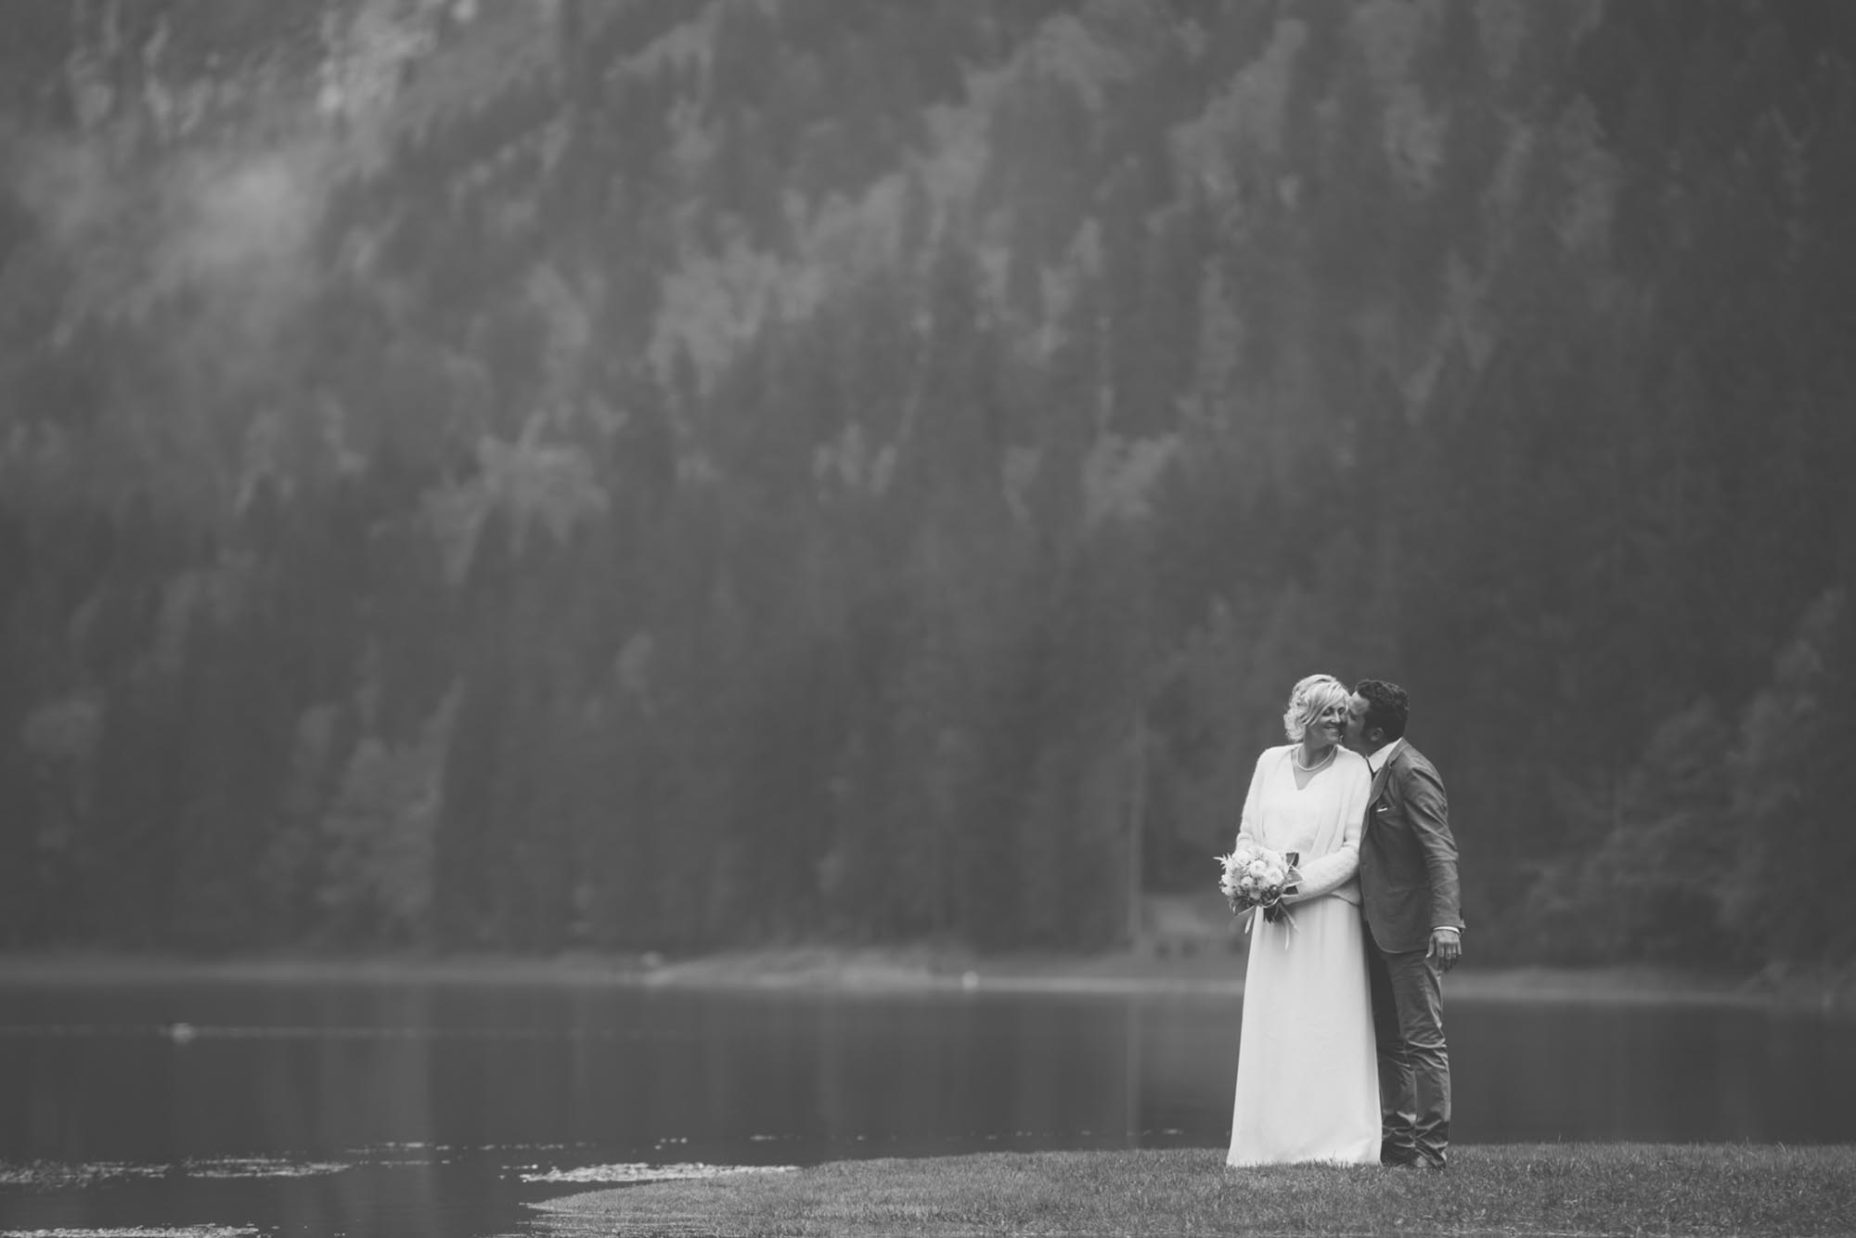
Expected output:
{"points": [[667, 475]]}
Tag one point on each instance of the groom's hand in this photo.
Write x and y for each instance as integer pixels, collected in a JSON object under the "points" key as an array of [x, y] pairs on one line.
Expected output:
{"points": [[1446, 948]]}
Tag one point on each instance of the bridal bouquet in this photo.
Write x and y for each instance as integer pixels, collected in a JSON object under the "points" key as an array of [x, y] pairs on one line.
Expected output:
{"points": [[1255, 876]]}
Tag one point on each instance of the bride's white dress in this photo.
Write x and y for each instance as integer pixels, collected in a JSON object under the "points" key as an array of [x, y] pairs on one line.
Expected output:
{"points": [[1307, 1074]]}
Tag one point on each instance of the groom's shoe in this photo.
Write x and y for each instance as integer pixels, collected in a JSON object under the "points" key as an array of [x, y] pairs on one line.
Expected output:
{"points": [[1423, 1164]]}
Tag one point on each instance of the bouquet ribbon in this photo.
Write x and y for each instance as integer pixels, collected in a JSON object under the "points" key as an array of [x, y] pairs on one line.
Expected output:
{"points": [[1282, 914]]}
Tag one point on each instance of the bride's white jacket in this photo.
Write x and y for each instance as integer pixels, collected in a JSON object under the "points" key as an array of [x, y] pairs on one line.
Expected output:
{"points": [[1332, 865]]}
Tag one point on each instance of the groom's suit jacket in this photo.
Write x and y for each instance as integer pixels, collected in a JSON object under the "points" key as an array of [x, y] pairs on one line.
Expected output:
{"points": [[1408, 881]]}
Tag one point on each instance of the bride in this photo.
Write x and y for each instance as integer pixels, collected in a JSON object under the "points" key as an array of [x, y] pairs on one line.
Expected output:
{"points": [[1307, 1075]]}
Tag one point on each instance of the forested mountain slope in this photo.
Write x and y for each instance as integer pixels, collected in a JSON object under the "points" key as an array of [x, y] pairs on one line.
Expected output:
{"points": [[668, 473]]}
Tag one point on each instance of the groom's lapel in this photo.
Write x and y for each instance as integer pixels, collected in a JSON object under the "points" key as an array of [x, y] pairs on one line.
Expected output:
{"points": [[1381, 774]]}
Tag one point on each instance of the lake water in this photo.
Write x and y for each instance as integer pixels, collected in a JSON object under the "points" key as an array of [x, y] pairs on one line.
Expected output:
{"points": [[440, 1109]]}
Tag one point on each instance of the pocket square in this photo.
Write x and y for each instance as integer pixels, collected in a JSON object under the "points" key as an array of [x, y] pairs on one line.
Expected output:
{"points": [[1382, 808]]}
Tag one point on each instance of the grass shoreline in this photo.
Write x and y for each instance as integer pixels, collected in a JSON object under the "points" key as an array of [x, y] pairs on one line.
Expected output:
{"points": [[1515, 1191], [1216, 972]]}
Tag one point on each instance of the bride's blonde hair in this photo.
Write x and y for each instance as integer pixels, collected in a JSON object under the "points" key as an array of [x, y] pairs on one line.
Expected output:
{"points": [[1309, 697]]}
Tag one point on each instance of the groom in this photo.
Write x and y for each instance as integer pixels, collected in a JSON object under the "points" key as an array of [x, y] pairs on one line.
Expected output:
{"points": [[1409, 898]]}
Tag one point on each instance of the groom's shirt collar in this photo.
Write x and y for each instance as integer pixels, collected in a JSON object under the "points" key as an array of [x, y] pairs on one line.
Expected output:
{"points": [[1378, 760]]}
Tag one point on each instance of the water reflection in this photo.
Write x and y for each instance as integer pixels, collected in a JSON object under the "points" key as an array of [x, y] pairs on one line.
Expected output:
{"points": [[1676, 1074], [435, 1109]]}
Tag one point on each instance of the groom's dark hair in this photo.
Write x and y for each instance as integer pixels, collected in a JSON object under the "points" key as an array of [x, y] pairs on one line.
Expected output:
{"points": [[1387, 707]]}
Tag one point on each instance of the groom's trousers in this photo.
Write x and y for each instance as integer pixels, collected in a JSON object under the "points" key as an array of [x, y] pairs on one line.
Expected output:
{"points": [[1414, 1063]]}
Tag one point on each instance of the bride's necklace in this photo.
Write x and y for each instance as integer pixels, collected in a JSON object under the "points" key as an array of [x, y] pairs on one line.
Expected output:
{"points": [[1296, 756]]}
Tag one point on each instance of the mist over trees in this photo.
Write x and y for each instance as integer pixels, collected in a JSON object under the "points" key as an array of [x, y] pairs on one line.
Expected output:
{"points": [[668, 474]]}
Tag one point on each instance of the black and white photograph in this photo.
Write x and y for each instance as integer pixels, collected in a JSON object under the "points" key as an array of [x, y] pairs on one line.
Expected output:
{"points": [[927, 618]]}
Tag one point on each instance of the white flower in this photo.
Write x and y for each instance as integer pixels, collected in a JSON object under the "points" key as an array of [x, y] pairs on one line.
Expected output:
{"points": [[1257, 869], [1274, 876]]}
